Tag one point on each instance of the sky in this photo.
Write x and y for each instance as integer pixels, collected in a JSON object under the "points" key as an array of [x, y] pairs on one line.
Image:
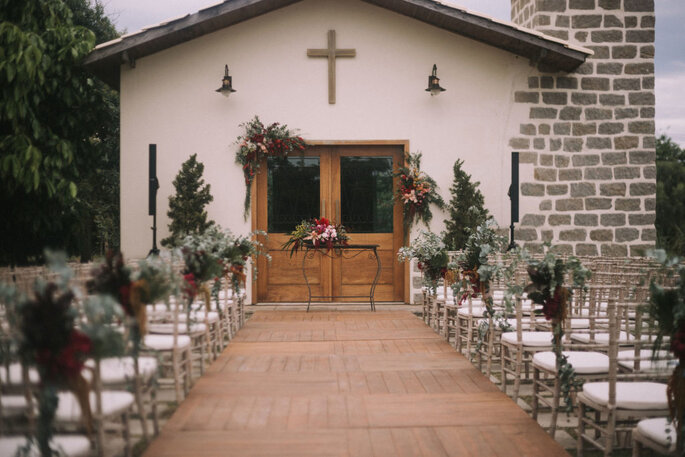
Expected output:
{"points": [[132, 15]]}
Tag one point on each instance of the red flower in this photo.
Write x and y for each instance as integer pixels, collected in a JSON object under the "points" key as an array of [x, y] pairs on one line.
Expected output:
{"points": [[125, 298], [678, 343], [69, 361], [190, 288]]}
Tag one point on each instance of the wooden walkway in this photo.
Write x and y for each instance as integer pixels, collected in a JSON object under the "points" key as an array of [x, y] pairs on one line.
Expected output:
{"points": [[346, 383]]}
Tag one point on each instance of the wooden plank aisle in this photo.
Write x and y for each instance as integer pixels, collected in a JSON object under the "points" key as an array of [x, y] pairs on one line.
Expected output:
{"points": [[346, 383]]}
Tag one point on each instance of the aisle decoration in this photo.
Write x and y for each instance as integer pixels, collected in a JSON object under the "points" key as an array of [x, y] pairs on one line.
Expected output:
{"points": [[259, 142], [430, 253], [319, 233], [667, 308], [547, 289], [416, 191]]}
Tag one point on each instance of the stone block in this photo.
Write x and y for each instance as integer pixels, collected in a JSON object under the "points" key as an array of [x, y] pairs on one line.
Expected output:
{"points": [[602, 235], [555, 98], [541, 20], [557, 189], [627, 204], [519, 143], [547, 82], [607, 36], [614, 158], [647, 112], [583, 98], [585, 160], [528, 129], [598, 142], [647, 22], [647, 51], [547, 235], [586, 220], [612, 21], [586, 249], [609, 68], [569, 204], [642, 219], [648, 234], [526, 97], [544, 129], [642, 157], [533, 82], [614, 250], [626, 113], [649, 142], [545, 174], [626, 172], [650, 204], [641, 127], [581, 37], [543, 113], [546, 160], [550, 5], [626, 142], [624, 52], [638, 6], [581, 4], [562, 249], [582, 189], [562, 128], [566, 82], [601, 52], [626, 234], [612, 219], [649, 172], [612, 189], [577, 234], [595, 203], [612, 100], [610, 4], [545, 205], [533, 220], [570, 113], [611, 128], [627, 84], [416, 282], [640, 250], [583, 129], [571, 174], [559, 219], [592, 114], [600, 173], [641, 98], [532, 190], [643, 68], [573, 144], [640, 36], [524, 234], [528, 157], [539, 143], [534, 248], [561, 161], [638, 189], [631, 22], [592, 83], [586, 21], [554, 144]]}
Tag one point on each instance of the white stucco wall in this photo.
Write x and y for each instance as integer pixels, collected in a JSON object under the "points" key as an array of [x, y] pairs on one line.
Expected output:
{"points": [[169, 99]]}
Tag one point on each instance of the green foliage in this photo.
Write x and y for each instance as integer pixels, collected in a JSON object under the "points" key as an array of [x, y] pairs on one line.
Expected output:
{"points": [[466, 209], [430, 253], [58, 132], [186, 208], [670, 196]]}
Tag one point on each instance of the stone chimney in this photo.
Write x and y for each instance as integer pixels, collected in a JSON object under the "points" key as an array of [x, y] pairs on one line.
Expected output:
{"points": [[590, 134]]}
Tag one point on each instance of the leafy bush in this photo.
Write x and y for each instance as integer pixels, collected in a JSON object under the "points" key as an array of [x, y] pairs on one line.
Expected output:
{"points": [[466, 209]]}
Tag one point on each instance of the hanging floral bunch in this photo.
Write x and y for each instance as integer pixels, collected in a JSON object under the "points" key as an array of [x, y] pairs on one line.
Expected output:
{"points": [[260, 142], [416, 191], [431, 256], [320, 233]]}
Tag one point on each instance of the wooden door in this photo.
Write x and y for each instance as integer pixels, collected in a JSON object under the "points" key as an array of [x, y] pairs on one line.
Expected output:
{"points": [[350, 184]]}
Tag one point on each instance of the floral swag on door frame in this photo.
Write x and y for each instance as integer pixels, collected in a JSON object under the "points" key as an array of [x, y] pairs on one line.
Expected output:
{"points": [[259, 142]]}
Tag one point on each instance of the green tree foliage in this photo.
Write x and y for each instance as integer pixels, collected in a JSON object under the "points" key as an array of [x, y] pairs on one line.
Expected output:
{"points": [[58, 131], [465, 208], [187, 207], [670, 195]]}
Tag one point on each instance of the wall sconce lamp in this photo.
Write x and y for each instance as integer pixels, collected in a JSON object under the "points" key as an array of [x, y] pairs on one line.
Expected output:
{"points": [[434, 82], [226, 84]]}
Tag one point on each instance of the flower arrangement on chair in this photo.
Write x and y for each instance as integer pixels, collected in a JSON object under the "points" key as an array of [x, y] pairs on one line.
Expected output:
{"points": [[258, 142], [319, 233], [430, 253], [416, 192]]}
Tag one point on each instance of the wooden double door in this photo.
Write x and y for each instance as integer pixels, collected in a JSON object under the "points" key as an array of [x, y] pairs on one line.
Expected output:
{"points": [[352, 185]]}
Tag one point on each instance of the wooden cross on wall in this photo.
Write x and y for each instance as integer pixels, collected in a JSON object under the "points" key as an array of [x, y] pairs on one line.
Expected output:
{"points": [[331, 53]]}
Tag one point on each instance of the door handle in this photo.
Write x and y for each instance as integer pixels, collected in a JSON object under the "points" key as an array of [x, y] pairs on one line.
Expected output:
{"points": [[337, 212], [323, 208]]}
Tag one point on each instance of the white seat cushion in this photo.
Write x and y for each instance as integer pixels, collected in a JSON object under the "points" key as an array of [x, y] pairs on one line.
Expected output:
{"points": [[168, 329], [660, 430], [582, 362], [664, 362], [117, 370], [603, 338], [166, 342], [113, 402], [69, 445], [199, 316], [15, 377], [629, 395], [14, 406], [475, 311], [534, 339]]}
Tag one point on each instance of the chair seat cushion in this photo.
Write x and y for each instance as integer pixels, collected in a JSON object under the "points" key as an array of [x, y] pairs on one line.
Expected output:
{"points": [[535, 339], [664, 362], [199, 316], [166, 342], [15, 377], [168, 329], [582, 362], [660, 430], [68, 445], [117, 370], [13, 406], [629, 395], [475, 311], [113, 402], [603, 338]]}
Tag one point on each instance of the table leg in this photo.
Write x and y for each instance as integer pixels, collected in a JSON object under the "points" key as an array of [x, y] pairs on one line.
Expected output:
{"points": [[375, 280], [304, 273]]}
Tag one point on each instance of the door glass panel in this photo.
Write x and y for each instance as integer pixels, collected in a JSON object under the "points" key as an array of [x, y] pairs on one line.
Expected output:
{"points": [[293, 194], [366, 194]]}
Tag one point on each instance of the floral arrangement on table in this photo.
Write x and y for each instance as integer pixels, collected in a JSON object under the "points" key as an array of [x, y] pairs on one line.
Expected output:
{"points": [[431, 256], [548, 290], [258, 142], [667, 308], [416, 191], [319, 233]]}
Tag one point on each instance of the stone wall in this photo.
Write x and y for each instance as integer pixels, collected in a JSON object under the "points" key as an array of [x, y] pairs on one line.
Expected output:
{"points": [[590, 134]]}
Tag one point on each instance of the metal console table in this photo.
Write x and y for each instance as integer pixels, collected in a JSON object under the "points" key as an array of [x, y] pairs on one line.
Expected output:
{"points": [[347, 252]]}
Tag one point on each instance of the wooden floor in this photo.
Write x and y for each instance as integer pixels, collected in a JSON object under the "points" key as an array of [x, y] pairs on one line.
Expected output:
{"points": [[346, 383]]}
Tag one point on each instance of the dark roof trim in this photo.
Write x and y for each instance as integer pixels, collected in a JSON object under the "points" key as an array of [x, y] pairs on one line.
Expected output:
{"points": [[106, 59]]}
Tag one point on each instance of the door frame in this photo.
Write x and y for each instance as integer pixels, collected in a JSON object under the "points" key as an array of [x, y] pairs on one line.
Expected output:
{"points": [[254, 197]]}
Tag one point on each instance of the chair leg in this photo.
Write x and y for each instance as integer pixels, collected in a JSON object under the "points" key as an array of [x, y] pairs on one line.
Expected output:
{"points": [[138, 392], [555, 406], [126, 425], [176, 371], [581, 430], [536, 391], [153, 408], [189, 370], [517, 373]]}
